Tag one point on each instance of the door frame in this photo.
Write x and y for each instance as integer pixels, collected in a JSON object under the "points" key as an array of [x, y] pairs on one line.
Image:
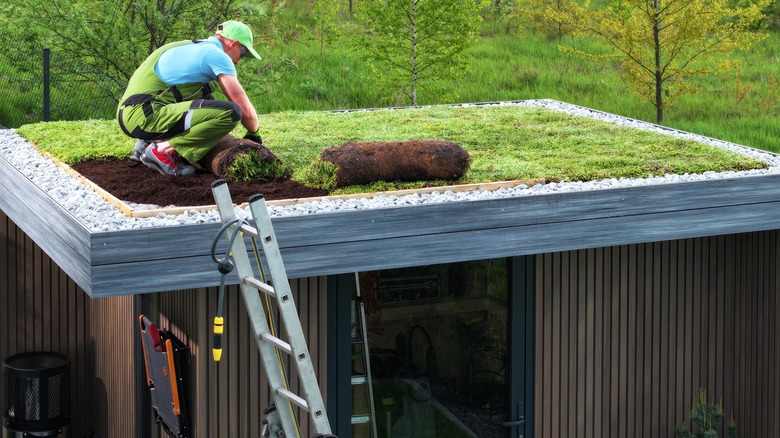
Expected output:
{"points": [[520, 339]]}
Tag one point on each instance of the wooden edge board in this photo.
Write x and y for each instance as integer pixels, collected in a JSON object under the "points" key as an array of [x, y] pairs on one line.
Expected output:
{"points": [[296, 201], [122, 206]]}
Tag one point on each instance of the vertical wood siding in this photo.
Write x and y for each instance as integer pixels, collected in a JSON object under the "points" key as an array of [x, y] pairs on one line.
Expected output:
{"points": [[42, 309], [628, 335], [228, 398], [111, 337]]}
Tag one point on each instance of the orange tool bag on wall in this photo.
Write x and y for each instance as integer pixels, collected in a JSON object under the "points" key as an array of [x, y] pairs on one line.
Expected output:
{"points": [[166, 359]]}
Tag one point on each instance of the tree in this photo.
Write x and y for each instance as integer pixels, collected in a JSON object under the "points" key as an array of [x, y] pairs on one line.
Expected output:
{"points": [[103, 41], [772, 19], [500, 15], [545, 16], [662, 44], [419, 39], [328, 16]]}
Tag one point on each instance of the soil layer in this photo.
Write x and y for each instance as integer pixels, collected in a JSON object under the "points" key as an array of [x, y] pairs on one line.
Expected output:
{"points": [[133, 182]]}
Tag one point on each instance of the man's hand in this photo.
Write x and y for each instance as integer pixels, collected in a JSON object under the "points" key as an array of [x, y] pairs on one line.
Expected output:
{"points": [[254, 137]]}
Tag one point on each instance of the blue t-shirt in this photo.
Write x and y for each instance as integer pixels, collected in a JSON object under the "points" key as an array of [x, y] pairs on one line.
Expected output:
{"points": [[194, 63]]}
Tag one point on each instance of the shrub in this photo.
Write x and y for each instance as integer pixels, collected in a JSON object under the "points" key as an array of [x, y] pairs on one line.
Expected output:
{"points": [[707, 417]]}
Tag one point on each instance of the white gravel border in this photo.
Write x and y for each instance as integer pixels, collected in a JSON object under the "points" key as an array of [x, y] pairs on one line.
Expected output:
{"points": [[98, 215]]}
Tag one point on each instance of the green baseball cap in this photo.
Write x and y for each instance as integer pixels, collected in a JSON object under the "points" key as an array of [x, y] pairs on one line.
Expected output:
{"points": [[238, 31]]}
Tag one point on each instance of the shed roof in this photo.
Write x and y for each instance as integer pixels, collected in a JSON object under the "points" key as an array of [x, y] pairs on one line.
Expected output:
{"points": [[174, 257]]}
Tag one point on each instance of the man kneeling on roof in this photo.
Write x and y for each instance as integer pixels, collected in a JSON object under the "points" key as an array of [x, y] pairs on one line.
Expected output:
{"points": [[168, 105]]}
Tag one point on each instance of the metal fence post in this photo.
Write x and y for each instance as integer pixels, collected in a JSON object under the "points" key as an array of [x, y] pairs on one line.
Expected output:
{"points": [[46, 86]]}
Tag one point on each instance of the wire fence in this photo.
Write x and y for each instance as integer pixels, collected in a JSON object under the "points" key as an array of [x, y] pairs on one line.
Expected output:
{"points": [[51, 87]]}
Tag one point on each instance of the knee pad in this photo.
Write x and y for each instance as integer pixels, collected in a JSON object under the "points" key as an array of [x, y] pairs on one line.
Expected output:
{"points": [[235, 110]]}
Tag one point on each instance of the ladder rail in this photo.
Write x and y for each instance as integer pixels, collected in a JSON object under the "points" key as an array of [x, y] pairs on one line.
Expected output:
{"points": [[254, 306], [288, 312], [267, 344], [366, 357]]}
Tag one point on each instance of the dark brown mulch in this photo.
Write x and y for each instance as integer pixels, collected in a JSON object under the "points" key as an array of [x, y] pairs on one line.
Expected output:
{"points": [[131, 181]]}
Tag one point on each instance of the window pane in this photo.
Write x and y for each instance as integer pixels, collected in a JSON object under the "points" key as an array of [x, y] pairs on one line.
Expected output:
{"points": [[438, 347]]}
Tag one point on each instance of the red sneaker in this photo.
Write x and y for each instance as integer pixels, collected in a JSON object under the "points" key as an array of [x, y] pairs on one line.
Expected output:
{"points": [[167, 164]]}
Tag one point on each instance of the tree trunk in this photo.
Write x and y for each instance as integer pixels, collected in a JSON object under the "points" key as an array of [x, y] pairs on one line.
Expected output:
{"points": [[414, 53], [659, 95]]}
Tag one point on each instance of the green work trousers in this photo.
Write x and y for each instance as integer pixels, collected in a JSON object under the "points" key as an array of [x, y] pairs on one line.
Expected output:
{"points": [[192, 128]]}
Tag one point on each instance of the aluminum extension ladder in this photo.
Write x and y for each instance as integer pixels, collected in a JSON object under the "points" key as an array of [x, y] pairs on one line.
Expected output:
{"points": [[267, 343], [362, 376]]}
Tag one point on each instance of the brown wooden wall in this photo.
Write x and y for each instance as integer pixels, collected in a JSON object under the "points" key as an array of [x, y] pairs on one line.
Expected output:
{"points": [[228, 397], [627, 335], [42, 309]]}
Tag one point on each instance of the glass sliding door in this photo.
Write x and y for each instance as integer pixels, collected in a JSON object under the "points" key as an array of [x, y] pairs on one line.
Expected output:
{"points": [[438, 343]]}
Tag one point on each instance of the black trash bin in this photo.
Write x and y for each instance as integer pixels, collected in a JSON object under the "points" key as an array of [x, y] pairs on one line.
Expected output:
{"points": [[36, 394]]}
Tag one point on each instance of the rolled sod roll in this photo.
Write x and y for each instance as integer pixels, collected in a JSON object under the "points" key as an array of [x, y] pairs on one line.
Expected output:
{"points": [[220, 159], [411, 160]]}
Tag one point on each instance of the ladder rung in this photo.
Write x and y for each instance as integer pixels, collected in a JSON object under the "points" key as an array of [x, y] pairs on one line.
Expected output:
{"points": [[293, 397], [359, 379], [252, 231], [259, 285], [278, 342], [361, 419]]}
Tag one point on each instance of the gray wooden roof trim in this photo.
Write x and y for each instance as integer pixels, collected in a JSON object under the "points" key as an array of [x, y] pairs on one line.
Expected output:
{"points": [[174, 258], [50, 226]]}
